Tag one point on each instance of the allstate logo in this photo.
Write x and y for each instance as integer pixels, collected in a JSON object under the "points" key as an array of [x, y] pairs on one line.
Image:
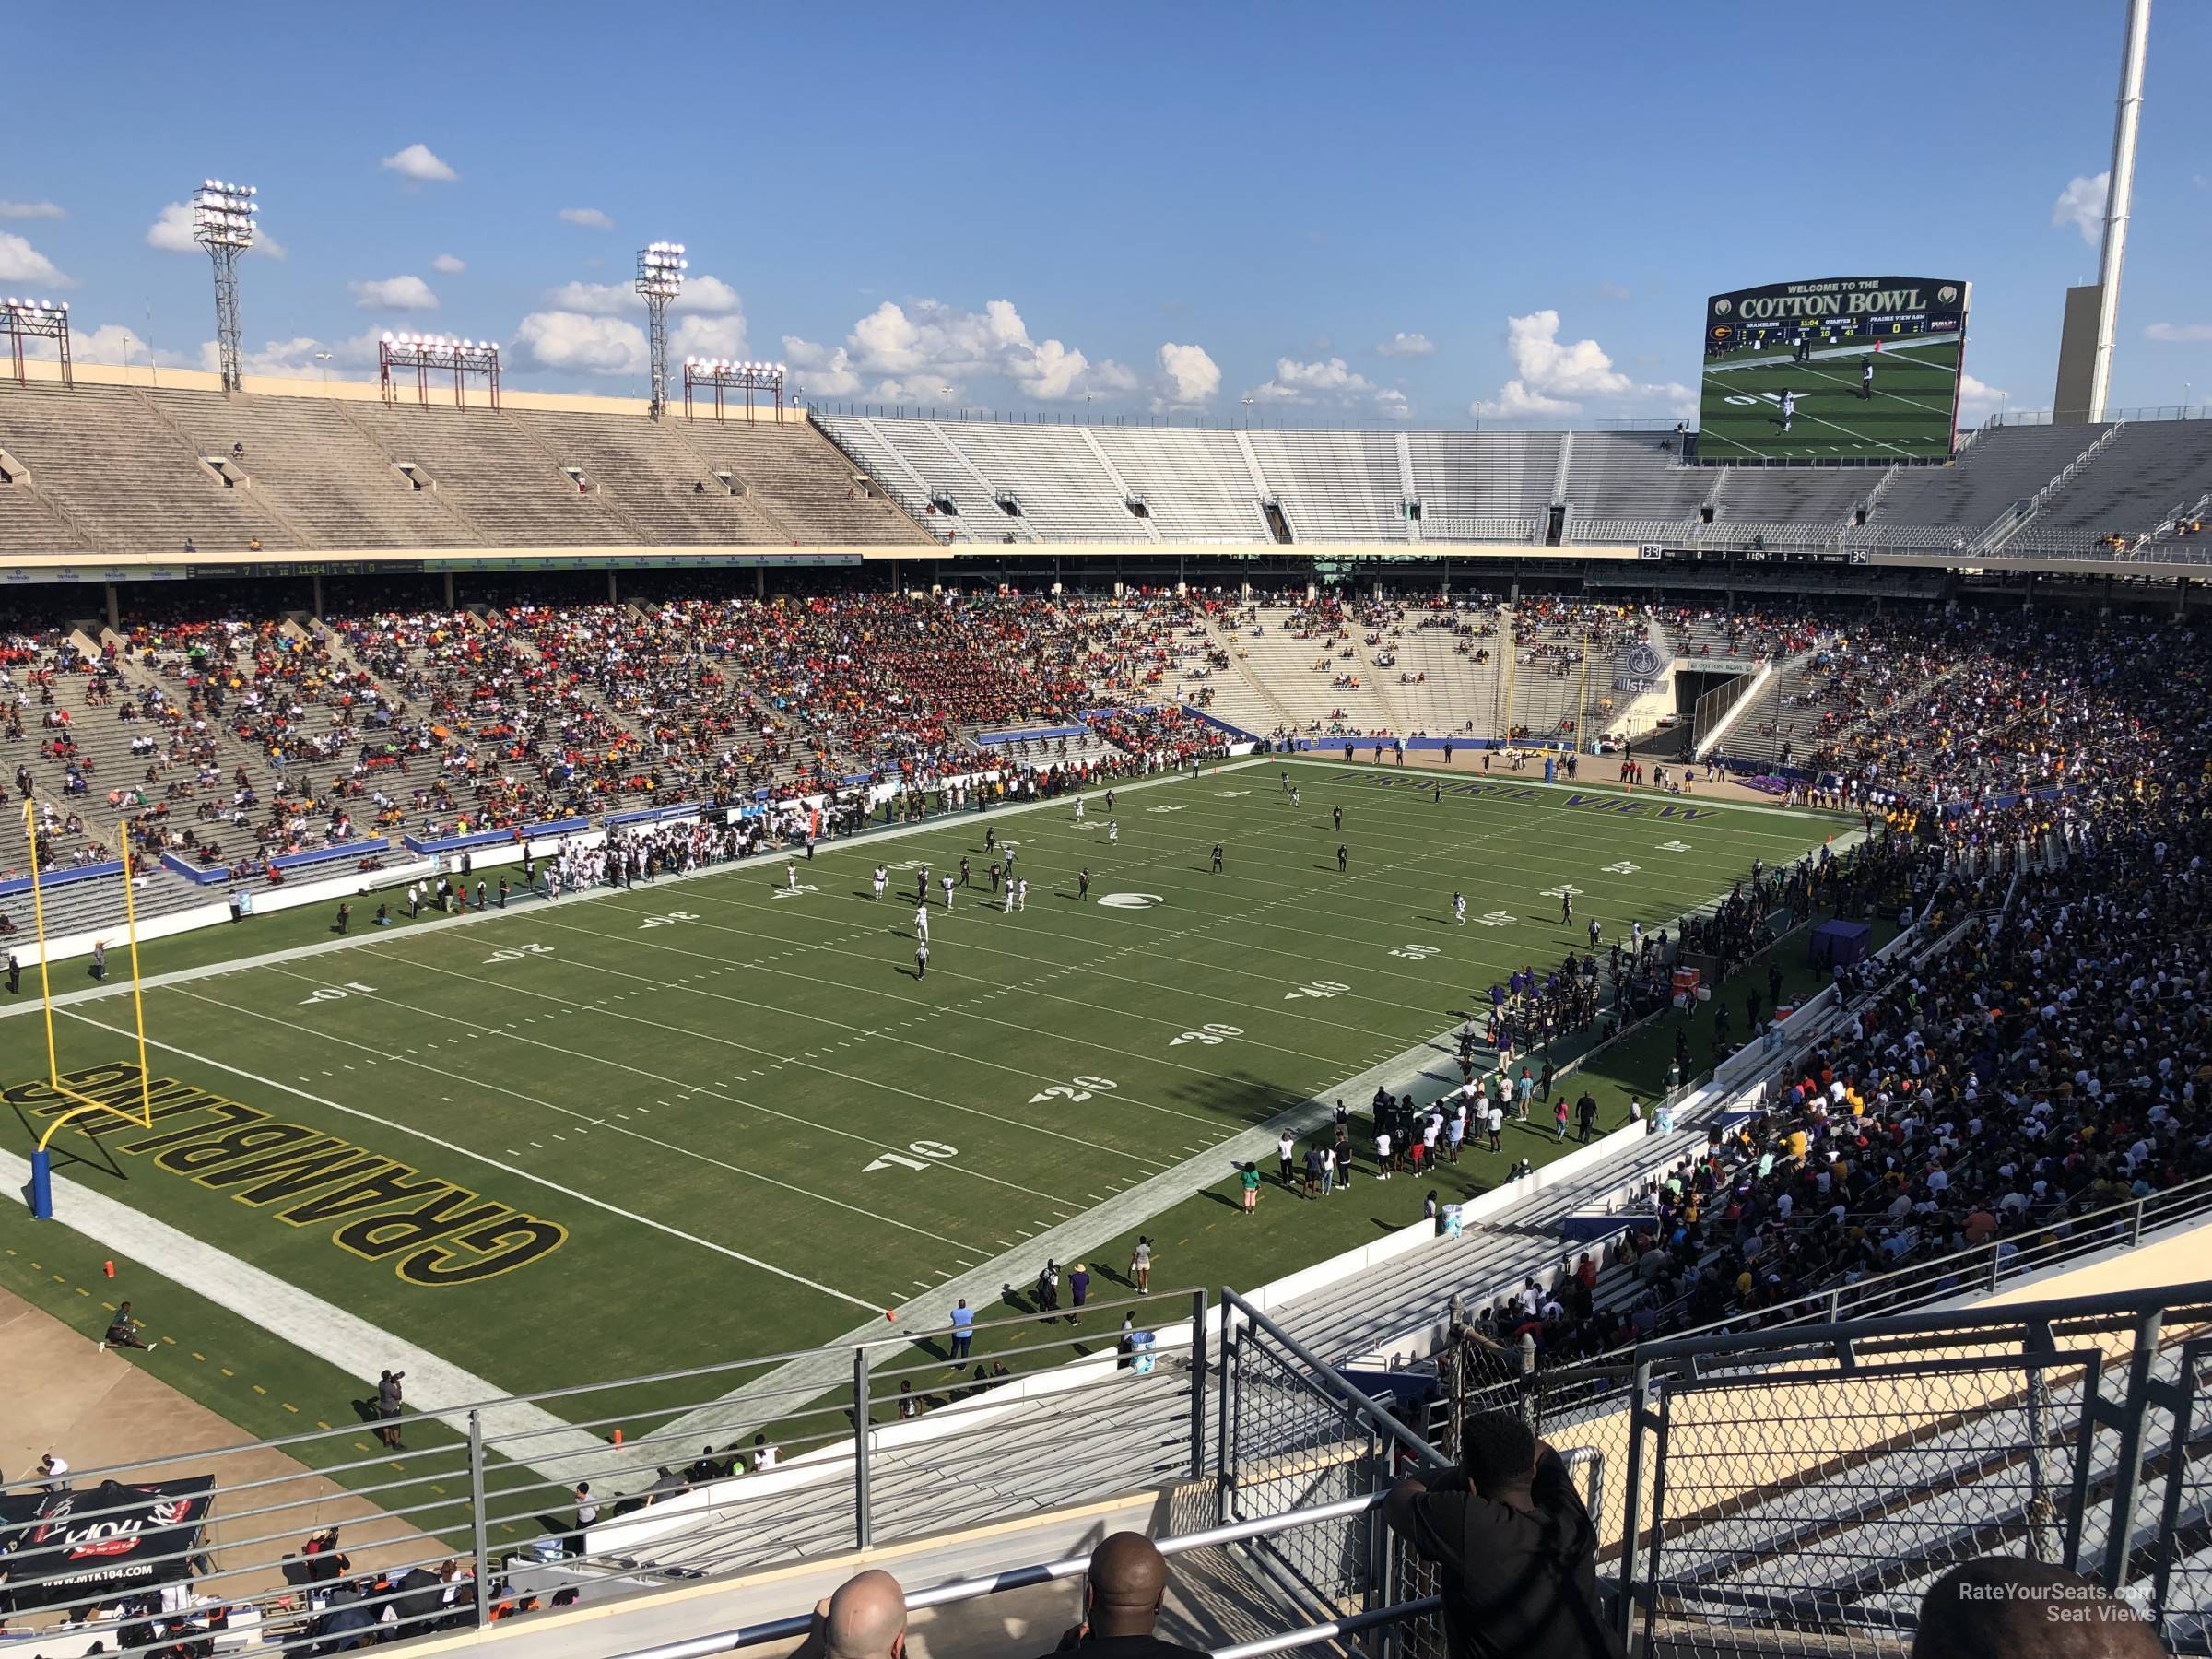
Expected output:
{"points": [[1642, 662], [1131, 901]]}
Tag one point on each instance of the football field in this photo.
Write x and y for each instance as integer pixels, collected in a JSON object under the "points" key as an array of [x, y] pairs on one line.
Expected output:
{"points": [[638, 1130], [1909, 416]]}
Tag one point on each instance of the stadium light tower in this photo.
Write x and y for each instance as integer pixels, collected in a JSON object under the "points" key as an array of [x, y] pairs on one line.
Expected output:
{"points": [[2092, 318], [661, 267], [36, 320], [222, 222]]}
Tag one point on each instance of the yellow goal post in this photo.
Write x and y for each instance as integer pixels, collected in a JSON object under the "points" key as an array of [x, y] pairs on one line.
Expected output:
{"points": [[80, 1104]]}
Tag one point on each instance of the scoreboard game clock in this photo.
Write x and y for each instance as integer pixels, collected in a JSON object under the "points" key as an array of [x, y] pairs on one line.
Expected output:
{"points": [[1861, 369]]}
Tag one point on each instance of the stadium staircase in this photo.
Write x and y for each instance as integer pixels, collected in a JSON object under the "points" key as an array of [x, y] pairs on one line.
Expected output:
{"points": [[2140, 476]]}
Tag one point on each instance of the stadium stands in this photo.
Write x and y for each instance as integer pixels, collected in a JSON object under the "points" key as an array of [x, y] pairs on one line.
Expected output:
{"points": [[124, 470], [117, 469]]}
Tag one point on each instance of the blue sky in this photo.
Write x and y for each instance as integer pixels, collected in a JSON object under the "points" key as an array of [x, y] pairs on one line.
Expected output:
{"points": [[1376, 214]]}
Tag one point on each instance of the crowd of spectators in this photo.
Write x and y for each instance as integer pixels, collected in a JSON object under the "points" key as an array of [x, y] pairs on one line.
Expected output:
{"points": [[2052, 1059]]}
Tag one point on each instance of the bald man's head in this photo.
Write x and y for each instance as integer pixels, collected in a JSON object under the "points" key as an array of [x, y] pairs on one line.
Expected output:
{"points": [[2003, 1608], [866, 1618], [1128, 1581]]}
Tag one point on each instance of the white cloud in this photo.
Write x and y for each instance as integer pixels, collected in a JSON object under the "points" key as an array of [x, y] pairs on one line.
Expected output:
{"points": [[1553, 377], [394, 293], [172, 233], [818, 370], [171, 229], [1977, 398], [19, 262], [1110, 379], [2178, 333], [919, 351], [446, 264], [1189, 378], [708, 294], [575, 341], [701, 294], [13, 210], [2081, 204], [419, 162], [114, 343], [1613, 290], [1331, 381], [1404, 345], [590, 218], [722, 336], [295, 359], [595, 298]]}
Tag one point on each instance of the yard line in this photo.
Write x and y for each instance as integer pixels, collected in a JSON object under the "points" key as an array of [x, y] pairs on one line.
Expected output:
{"points": [[514, 990], [651, 1140], [1028, 1076], [493, 1163]]}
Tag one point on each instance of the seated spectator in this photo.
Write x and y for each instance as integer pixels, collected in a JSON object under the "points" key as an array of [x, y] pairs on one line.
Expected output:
{"points": [[865, 1619], [1122, 1593]]}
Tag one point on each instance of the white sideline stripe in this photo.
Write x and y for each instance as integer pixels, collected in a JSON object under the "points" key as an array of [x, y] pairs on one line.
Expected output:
{"points": [[437, 1387], [181, 976], [490, 1162]]}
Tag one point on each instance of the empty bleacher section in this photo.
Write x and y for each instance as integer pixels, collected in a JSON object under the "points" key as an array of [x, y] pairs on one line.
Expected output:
{"points": [[651, 477], [1197, 485], [1483, 486], [118, 470], [1335, 486], [126, 473], [1934, 507], [2149, 471], [1059, 482], [121, 470], [307, 459]]}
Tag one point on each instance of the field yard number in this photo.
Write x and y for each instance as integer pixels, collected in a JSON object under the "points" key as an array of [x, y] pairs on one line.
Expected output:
{"points": [[335, 993], [1566, 890], [925, 1151], [1209, 1032], [1230, 795], [1318, 988], [1416, 953], [1176, 807], [1673, 846], [670, 919], [516, 953], [1077, 1088], [1623, 868]]}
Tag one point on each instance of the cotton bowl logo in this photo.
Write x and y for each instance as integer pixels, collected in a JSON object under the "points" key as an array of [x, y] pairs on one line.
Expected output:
{"points": [[1946, 294], [1722, 308], [1131, 901]]}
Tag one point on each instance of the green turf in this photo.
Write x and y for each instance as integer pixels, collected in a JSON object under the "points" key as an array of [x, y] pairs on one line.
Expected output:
{"points": [[1909, 418], [694, 1080]]}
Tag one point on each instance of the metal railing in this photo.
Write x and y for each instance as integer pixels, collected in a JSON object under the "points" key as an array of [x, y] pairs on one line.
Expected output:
{"points": [[693, 1473], [955, 1591], [2004, 418], [486, 1511], [1812, 1484]]}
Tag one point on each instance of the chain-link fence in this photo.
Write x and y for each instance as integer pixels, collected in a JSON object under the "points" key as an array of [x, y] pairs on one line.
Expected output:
{"points": [[1809, 1485], [2180, 1570]]}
